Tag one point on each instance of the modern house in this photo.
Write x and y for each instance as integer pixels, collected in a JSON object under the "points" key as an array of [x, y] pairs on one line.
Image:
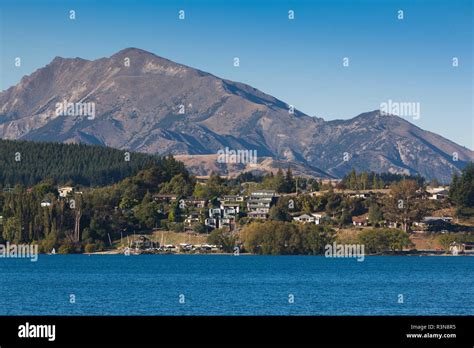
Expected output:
{"points": [[231, 205], [221, 217], [260, 202]]}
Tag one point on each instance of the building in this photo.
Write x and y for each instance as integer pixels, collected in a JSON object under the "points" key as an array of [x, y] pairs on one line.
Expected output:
{"points": [[361, 220], [437, 219], [214, 219], [363, 195], [219, 218], [469, 248], [231, 206], [211, 223], [305, 219], [64, 191], [232, 198], [191, 219], [143, 242], [319, 217], [192, 202], [165, 198], [45, 203], [260, 202], [437, 193], [434, 223]]}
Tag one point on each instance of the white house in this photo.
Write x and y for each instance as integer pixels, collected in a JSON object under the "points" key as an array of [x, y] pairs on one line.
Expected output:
{"points": [[45, 203], [305, 218], [314, 218], [437, 193]]}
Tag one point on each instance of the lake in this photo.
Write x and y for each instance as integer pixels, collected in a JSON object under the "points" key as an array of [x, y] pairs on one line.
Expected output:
{"points": [[236, 285]]}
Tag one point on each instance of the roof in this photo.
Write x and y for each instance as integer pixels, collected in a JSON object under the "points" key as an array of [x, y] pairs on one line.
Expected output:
{"points": [[165, 195], [360, 218], [436, 218], [304, 216]]}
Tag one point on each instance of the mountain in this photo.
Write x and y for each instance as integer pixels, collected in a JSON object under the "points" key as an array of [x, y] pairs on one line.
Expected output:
{"points": [[156, 106]]}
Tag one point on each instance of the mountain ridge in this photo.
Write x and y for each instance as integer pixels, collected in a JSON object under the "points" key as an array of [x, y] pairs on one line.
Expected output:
{"points": [[157, 106]]}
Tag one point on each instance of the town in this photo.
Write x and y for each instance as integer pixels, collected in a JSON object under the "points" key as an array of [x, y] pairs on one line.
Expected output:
{"points": [[259, 214]]}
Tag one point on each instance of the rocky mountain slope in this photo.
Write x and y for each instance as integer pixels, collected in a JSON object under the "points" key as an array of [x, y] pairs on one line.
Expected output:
{"points": [[154, 105]]}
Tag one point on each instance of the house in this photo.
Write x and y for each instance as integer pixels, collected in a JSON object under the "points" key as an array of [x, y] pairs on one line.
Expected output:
{"points": [[305, 218], [211, 223], [469, 247], [260, 202], [165, 198], [456, 248], [437, 219], [45, 203], [434, 223], [228, 211], [363, 195], [143, 242], [231, 204], [221, 217], [437, 193], [215, 214], [192, 202], [191, 219], [64, 191], [361, 220], [232, 198], [319, 217]]}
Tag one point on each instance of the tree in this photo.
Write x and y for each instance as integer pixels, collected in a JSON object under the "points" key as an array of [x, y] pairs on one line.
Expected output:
{"points": [[289, 181], [284, 238], [223, 238], [375, 214], [279, 182], [279, 213], [333, 203], [364, 180], [377, 240], [178, 185], [462, 188], [404, 204], [353, 180]]}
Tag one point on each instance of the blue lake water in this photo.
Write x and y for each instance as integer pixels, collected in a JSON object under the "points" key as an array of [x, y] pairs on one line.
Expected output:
{"points": [[236, 285]]}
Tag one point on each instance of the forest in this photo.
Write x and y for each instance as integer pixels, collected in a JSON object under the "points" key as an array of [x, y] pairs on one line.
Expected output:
{"points": [[28, 163]]}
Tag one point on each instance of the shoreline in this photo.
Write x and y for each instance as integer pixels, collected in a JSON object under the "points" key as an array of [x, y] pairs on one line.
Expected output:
{"points": [[114, 252]]}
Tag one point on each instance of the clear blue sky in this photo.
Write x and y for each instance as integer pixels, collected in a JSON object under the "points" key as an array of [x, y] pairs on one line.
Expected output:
{"points": [[298, 61]]}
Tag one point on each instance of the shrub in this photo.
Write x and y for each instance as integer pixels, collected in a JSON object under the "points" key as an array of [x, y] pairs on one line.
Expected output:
{"points": [[89, 248]]}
